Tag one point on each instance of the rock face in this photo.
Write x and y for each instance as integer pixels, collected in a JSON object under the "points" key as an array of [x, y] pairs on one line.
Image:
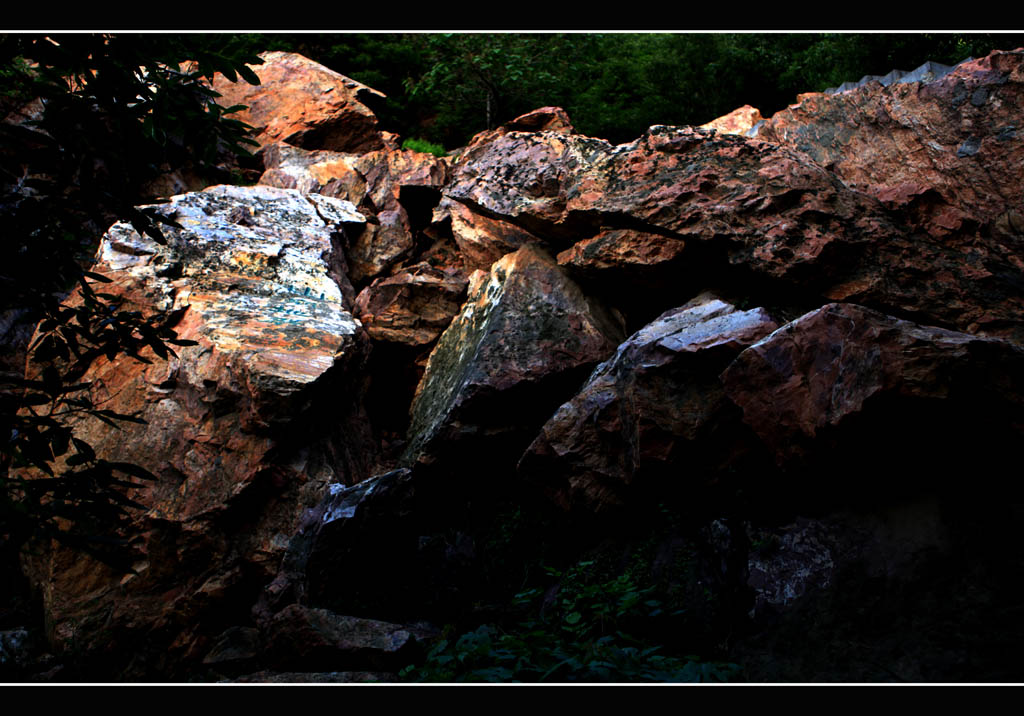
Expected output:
{"points": [[946, 155], [753, 212], [305, 104], [412, 307], [733, 202], [482, 240], [525, 329], [236, 428], [655, 412]]}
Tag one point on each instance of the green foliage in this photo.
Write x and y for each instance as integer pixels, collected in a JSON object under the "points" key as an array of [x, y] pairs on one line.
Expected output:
{"points": [[584, 634], [422, 145], [113, 113]]}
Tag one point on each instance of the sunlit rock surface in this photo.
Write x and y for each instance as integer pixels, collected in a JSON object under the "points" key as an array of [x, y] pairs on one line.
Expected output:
{"points": [[394, 189], [738, 121], [524, 334], [303, 103]]}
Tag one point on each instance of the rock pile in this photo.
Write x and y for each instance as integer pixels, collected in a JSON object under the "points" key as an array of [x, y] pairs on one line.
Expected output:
{"points": [[808, 344]]}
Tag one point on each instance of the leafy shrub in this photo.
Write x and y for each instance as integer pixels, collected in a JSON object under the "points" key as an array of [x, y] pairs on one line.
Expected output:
{"points": [[580, 637], [422, 145]]}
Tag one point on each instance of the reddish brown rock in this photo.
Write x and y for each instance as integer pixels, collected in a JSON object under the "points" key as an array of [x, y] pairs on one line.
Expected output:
{"points": [[775, 209], [844, 384], [313, 172], [738, 121], [544, 119], [236, 429], [413, 306], [304, 104], [653, 420], [748, 211], [957, 136], [524, 334], [483, 240], [618, 250], [374, 181]]}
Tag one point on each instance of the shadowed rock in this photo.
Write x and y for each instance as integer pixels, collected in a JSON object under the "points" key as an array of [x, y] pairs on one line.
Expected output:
{"points": [[848, 386]]}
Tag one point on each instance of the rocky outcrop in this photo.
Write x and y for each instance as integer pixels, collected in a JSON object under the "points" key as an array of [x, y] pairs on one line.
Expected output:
{"points": [[812, 475], [412, 284], [883, 381], [242, 430], [751, 213], [304, 104]]}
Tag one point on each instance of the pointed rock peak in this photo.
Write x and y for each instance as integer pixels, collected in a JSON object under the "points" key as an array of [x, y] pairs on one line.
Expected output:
{"points": [[545, 119], [738, 121]]}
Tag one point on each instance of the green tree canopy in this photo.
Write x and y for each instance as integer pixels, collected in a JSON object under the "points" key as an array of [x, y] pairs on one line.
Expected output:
{"points": [[447, 87]]}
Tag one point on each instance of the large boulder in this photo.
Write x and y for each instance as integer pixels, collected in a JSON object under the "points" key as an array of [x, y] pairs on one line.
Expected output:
{"points": [[867, 396], [653, 420], [243, 430], [525, 336], [303, 103]]}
